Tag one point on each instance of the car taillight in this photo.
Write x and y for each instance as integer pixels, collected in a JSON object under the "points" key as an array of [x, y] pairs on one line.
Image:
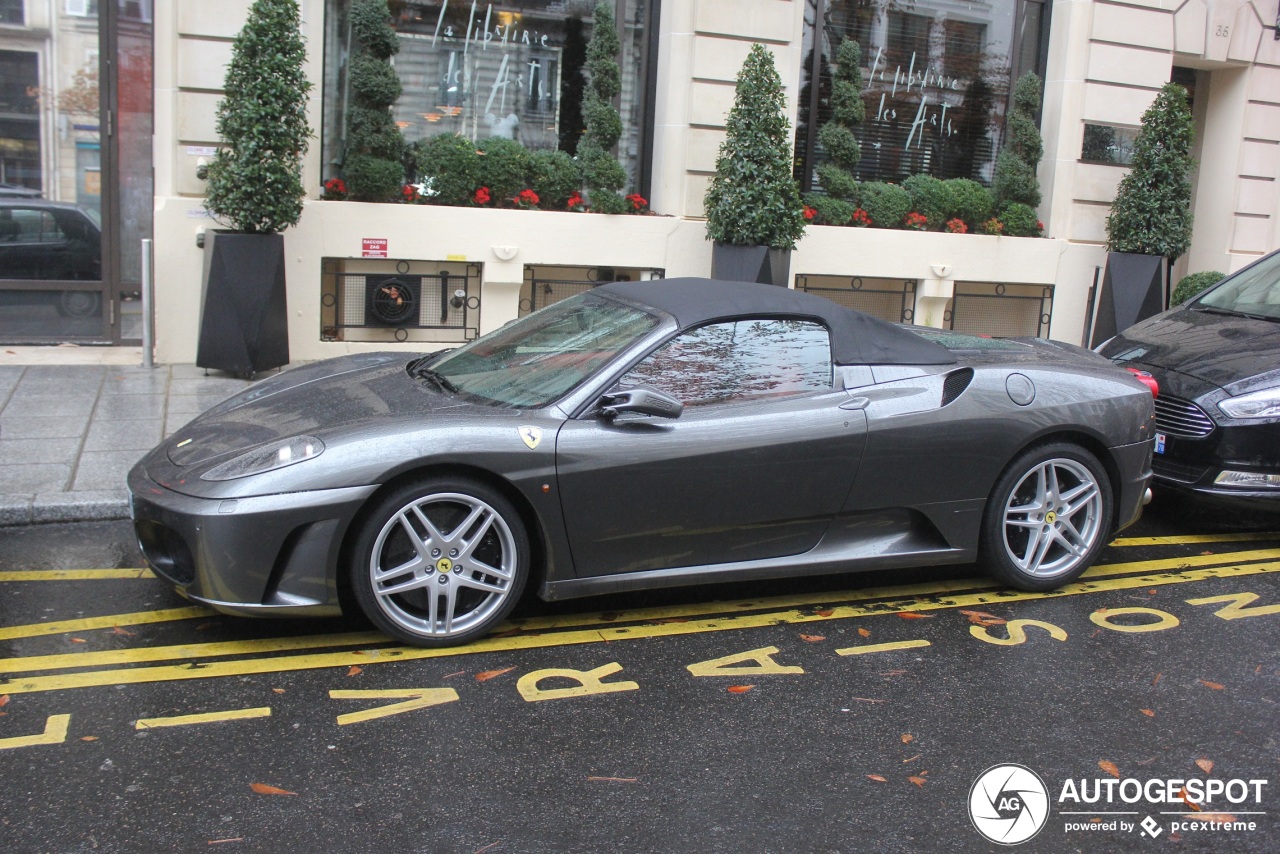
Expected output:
{"points": [[1147, 380]]}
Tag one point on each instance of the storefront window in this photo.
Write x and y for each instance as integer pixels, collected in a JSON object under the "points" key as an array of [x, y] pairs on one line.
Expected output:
{"points": [[513, 70], [937, 77]]}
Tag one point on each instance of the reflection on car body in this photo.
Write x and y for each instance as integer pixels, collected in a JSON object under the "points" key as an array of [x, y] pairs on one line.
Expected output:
{"points": [[644, 434]]}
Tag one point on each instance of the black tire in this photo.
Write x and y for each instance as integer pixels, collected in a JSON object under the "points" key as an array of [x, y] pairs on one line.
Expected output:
{"points": [[1048, 517], [461, 531]]}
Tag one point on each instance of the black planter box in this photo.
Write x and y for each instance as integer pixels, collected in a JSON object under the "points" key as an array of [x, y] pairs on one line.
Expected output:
{"points": [[1133, 289], [244, 322], [751, 264]]}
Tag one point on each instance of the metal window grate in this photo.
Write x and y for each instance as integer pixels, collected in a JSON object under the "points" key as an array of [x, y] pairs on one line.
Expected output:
{"points": [[1001, 310], [399, 304], [887, 299]]}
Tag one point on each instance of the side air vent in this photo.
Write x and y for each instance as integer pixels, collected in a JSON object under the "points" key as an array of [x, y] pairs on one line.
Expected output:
{"points": [[955, 384]]}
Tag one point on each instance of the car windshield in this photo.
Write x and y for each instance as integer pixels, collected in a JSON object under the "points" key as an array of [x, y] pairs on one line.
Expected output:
{"points": [[1254, 292], [540, 358]]}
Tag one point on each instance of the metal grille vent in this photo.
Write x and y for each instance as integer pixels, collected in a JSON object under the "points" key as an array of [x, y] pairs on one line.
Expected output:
{"points": [[1178, 417], [955, 384]]}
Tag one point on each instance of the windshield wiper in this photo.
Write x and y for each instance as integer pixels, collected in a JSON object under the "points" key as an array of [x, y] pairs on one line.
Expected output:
{"points": [[1209, 309], [423, 371]]}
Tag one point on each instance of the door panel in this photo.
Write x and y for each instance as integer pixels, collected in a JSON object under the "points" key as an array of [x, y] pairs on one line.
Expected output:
{"points": [[721, 483]]}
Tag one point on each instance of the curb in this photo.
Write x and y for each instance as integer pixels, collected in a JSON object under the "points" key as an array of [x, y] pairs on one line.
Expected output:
{"points": [[53, 507]]}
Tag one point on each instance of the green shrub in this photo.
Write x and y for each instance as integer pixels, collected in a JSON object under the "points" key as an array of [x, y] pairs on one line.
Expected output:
{"points": [[601, 171], [453, 166], [380, 180], [931, 197], [830, 210], [753, 200], [370, 28], [368, 134], [255, 180], [372, 133], [837, 182], [1014, 181], [1015, 173], [1152, 211], [886, 204], [602, 174], [847, 110], [554, 176], [970, 201], [1020, 220], [1189, 286], [374, 79], [504, 167], [608, 202]]}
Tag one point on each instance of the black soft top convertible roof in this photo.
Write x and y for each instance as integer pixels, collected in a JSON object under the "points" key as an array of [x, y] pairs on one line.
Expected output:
{"points": [[856, 338]]}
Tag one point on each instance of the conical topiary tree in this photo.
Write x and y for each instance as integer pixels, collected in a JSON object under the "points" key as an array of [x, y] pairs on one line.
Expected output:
{"points": [[753, 199], [1152, 211], [255, 180], [847, 110], [374, 163], [1015, 181], [602, 174]]}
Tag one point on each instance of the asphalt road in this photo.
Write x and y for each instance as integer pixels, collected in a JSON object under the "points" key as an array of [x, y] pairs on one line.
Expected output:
{"points": [[838, 714]]}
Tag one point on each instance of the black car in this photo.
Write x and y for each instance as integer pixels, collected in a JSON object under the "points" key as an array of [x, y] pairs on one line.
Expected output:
{"points": [[48, 241], [643, 435], [1217, 361]]}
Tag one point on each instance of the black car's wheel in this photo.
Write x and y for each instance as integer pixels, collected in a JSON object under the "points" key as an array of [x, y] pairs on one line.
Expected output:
{"points": [[1048, 517], [440, 562]]}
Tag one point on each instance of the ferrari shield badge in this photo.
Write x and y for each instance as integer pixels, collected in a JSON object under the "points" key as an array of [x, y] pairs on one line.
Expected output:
{"points": [[531, 436]]}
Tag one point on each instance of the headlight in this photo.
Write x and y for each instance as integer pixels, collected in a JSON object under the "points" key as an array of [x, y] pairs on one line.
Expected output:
{"points": [[277, 455], [1255, 404]]}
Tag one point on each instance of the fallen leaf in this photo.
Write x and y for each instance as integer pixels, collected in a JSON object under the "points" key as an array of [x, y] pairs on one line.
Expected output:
{"points": [[1159, 675], [278, 690], [866, 633], [229, 839], [919, 781], [1175, 836], [1110, 768], [1146, 761], [912, 615], [1217, 686], [1151, 592], [1148, 712], [355, 670], [982, 618], [88, 738], [812, 638], [1220, 817], [4, 699], [740, 689], [1182, 794], [877, 778], [203, 626], [451, 675], [868, 700], [77, 640], [116, 630], [1205, 765], [491, 674], [907, 738], [825, 612], [264, 789], [912, 759], [614, 779]]}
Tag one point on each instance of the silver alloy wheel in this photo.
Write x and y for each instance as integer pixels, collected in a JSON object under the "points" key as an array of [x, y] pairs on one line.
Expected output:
{"points": [[443, 564], [1053, 518]]}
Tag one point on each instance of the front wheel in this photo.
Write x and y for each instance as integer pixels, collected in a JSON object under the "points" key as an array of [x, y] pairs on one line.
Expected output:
{"points": [[440, 562], [1048, 517]]}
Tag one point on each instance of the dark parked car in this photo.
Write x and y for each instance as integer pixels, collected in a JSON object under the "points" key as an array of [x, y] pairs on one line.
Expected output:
{"points": [[1217, 360], [642, 435], [48, 241]]}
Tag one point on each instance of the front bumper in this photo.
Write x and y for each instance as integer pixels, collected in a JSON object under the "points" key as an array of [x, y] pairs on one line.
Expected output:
{"points": [[1134, 464], [1190, 465], [265, 555]]}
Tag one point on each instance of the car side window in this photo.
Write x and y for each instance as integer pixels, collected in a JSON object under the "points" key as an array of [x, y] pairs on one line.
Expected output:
{"points": [[739, 360]]}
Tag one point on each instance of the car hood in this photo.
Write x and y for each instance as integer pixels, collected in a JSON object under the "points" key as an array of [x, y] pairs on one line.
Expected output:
{"points": [[314, 399], [1237, 354]]}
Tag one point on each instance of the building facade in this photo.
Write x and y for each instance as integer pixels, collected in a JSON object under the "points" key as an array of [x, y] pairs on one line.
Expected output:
{"points": [[937, 76]]}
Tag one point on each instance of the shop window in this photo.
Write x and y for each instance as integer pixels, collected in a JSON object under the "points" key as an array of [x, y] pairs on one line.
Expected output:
{"points": [[1108, 144], [486, 69], [937, 81], [11, 12]]}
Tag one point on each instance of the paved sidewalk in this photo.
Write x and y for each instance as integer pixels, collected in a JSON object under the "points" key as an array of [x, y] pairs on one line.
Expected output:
{"points": [[70, 433]]}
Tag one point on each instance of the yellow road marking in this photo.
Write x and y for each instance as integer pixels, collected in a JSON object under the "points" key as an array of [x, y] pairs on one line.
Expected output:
{"points": [[882, 647], [204, 718], [419, 698], [35, 663], [1190, 539], [141, 675], [137, 618], [74, 574], [55, 732]]}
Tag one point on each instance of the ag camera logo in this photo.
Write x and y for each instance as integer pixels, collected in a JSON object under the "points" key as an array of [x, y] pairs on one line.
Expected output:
{"points": [[1008, 804]]}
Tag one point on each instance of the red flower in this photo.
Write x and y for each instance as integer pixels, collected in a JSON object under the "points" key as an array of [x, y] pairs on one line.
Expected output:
{"points": [[1039, 226], [860, 218], [993, 226], [527, 198], [574, 203], [335, 185], [809, 213], [916, 221], [481, 197], [409, 193], [638, 202], [957, 226]]}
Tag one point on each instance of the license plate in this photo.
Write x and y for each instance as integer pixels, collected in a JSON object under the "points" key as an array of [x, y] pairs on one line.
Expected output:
{"points": [[1160, 442]]}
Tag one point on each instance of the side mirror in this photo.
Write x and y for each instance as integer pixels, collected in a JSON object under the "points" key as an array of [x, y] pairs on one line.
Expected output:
{"points": [[642, 400]]}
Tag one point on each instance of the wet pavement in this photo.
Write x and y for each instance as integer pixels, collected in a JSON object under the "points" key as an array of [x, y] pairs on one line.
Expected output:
{"points": [[833, 714]]}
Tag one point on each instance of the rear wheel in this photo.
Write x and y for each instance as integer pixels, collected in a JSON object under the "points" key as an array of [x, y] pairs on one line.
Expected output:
{"points": [[440, 562], [1048, 517]]}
